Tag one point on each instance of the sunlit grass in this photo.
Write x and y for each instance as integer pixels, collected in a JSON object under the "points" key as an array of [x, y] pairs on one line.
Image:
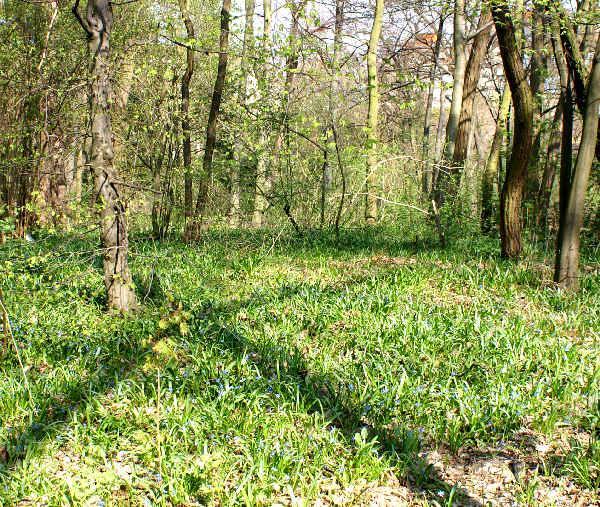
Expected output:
{"points": [[265, 368]]}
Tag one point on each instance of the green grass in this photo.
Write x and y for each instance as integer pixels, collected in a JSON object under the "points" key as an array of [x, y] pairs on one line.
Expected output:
{"points": [[264, 368]]}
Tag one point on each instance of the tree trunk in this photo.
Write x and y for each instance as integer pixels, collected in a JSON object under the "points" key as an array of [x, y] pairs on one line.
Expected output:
{"points": [[211, 127], [490, 174], [480, 44], [537, 74], [516, 172], [262, 186], [445, 180], [185, 119], [113, 224], [439, 137], [575, 61], [550, 165], [566, 153], [567, 264], [371, 189], [426, 177], [326, 177], [235, 173]]}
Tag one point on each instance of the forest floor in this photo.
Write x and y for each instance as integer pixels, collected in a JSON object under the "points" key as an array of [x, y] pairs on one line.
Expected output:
{"points": [[266, 370]]}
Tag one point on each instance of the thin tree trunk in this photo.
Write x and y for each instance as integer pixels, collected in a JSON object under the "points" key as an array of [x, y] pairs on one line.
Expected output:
{"points": [[575, 61], [372, 117], [113, 224], [426, 177], [262, 185], [567, 265], [445, 178], [550, 165], [460, 63], [327, 177], [235, 173], [439, 137], [566, 153], [490, 174], [211, 128], [538, 66], [516, 173], [188, 200]]}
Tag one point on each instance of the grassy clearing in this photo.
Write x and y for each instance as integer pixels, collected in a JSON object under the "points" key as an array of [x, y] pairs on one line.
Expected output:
{"points": [[266, 369]]}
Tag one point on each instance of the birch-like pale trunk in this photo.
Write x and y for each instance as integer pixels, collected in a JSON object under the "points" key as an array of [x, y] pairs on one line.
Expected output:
{"points": [[371, 187]]}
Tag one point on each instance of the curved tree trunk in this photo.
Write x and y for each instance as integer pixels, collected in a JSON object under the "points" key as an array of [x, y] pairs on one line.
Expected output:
{"points": [[372, 117], [516, 172], [113, 224]]}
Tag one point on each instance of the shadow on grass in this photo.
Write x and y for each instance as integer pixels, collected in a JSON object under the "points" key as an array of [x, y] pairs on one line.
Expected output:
{"points": [[397, 444]]}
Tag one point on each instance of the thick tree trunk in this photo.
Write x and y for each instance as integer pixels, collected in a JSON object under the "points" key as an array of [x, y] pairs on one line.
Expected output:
{"points": [[426, 177], [188, 199], [211, 127], [516, 173], [567, 265], [371, 189], [113, 223]]}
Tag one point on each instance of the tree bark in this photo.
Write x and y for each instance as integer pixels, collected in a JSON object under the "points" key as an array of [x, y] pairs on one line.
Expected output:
{"points": [[235, 172], [490, 174], [372, 117], [567, 265], [550, 164], [188, 200], [426, 177], [211, 128], [472, 72], [262, 185], [516, 173], [113, 223], [326, 177]]}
